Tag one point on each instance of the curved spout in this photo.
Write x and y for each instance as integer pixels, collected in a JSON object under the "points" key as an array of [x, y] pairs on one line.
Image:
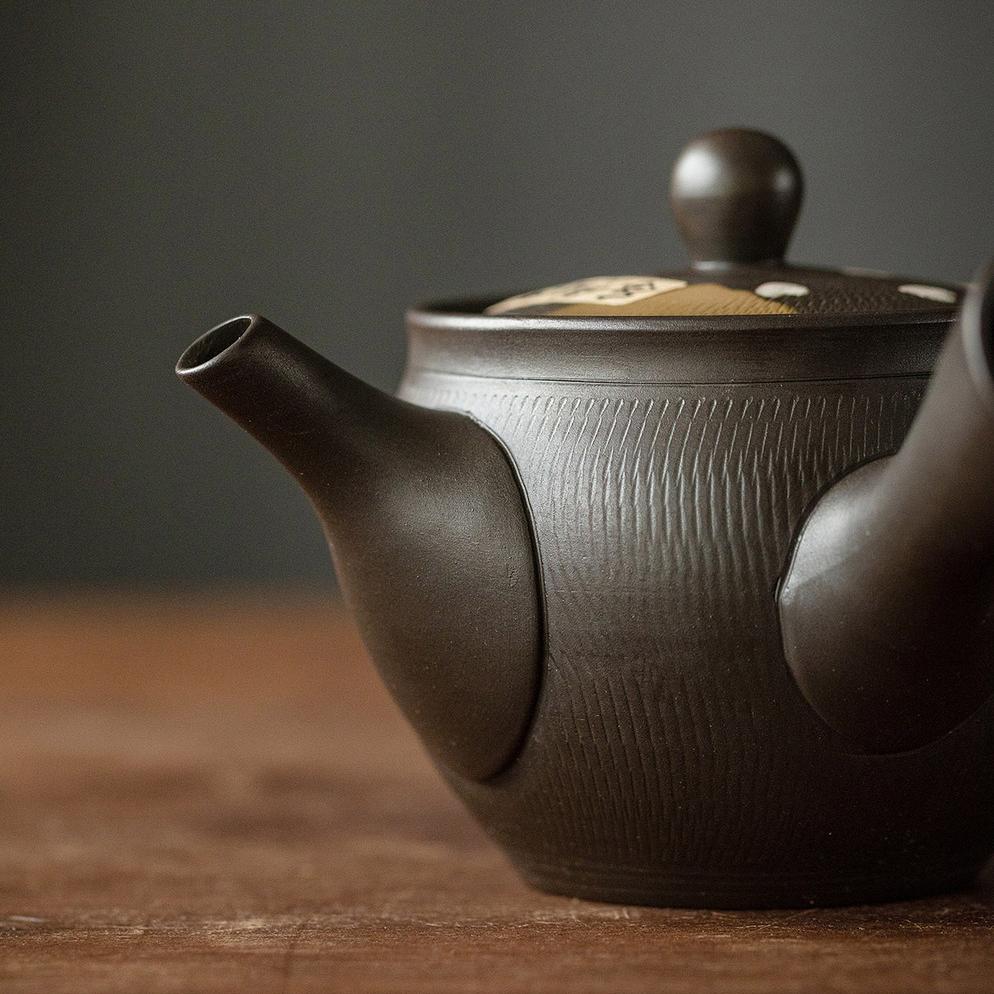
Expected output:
{"points": [[886, 608], [427, 527]]}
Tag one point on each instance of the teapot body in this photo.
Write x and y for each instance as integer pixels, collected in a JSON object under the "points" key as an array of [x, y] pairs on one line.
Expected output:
{"points": [[683, 579], [671, 758]]}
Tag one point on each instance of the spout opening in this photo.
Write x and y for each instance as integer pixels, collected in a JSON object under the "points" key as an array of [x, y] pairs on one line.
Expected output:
{"points": [[212, 344]]}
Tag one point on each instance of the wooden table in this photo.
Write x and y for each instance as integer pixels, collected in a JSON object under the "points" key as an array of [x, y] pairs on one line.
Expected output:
{"points": [[214, 794]]}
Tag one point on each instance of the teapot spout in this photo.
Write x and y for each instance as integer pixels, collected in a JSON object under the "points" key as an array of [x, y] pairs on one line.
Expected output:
{"points": [[886, 608], [427, 527]]}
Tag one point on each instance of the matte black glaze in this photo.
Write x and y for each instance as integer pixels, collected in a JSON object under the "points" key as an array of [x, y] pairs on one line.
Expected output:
{"points": [[673, 759], [427, 529], [631, 532], [887, 606]]}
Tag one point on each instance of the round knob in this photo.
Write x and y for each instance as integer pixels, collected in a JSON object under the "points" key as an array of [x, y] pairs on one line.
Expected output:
{"points": [[735, 194]]}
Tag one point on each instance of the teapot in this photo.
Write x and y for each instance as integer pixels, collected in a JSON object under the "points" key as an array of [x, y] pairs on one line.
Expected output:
{"points": [[683, 579]]}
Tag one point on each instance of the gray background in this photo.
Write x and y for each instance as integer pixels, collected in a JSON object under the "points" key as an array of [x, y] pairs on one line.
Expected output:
{"points": [[168, 165]]}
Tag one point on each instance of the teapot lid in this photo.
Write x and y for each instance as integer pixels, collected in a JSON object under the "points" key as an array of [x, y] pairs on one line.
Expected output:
{"points": [[735, 195]]}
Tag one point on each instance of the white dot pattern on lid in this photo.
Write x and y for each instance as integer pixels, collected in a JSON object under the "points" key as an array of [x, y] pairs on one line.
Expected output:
{"points": [[774, 289], [939, 293]]}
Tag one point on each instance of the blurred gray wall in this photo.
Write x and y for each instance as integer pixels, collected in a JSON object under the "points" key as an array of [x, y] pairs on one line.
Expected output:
{"points": [[168, 165]]}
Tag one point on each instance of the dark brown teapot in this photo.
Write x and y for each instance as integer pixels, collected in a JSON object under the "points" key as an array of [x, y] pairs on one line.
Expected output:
{"points": [[685, 581]]}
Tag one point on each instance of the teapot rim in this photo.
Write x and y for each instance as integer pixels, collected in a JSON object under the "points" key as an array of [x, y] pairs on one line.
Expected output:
{"points": [[454, 337]]}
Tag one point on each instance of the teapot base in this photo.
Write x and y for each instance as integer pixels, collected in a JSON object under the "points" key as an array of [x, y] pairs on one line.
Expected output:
{"points": [[743, 891]]}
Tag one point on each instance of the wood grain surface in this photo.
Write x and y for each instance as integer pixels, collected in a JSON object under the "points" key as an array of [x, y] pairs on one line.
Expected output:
{"points": [[215, 794]]}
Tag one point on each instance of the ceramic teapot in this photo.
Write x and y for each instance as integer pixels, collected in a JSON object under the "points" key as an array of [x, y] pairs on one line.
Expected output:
{"points": [[684, 580]]}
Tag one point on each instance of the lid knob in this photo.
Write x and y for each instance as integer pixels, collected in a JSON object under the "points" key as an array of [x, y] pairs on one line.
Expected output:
{"points": [[735, 194]]}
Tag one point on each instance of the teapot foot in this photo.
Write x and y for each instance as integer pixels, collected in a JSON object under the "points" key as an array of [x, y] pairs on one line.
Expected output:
{"points": [[721, 890]]}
